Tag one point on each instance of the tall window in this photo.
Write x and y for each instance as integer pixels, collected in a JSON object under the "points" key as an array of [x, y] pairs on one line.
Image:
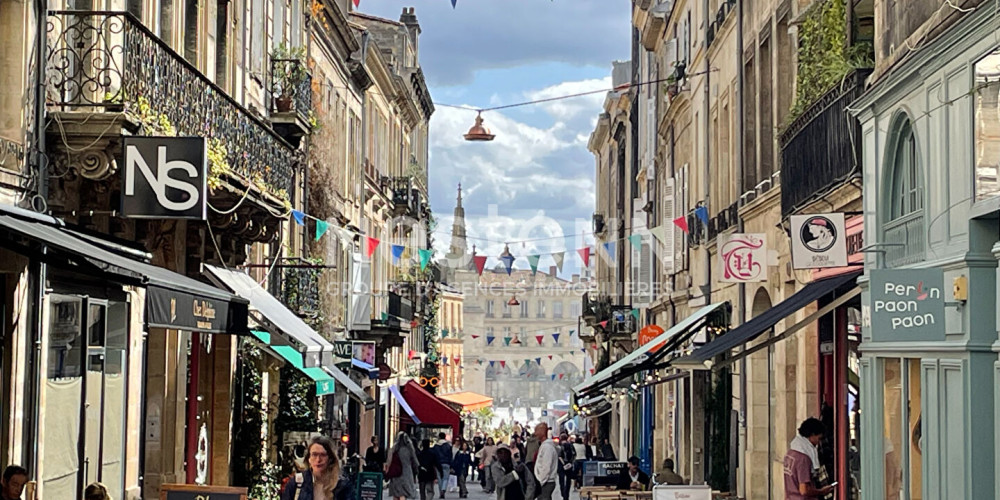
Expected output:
{"points": [[557, 309], [987, 126], [541, 308], [506, 310], [524, 308], [904, 224], [903, 443], [489, 309]]}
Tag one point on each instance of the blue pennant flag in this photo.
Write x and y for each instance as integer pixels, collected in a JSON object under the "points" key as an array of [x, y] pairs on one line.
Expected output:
{"points": [[538, 360], [489, 340], [553, 376], [397, 253], [300, 218], [609, 247], [454, 3], [702, 213], [492, 363], [508, 262], [555, 336]]}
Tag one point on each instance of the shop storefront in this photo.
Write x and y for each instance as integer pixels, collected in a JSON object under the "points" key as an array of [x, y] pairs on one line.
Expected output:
{"points": [[81, 410]]}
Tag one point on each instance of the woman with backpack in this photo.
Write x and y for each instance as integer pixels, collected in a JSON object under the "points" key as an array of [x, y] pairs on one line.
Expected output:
{"points": [[322, 480], [513, 482], [402, 468]]}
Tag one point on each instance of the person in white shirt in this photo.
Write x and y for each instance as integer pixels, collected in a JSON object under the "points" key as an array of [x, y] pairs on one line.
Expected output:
{"points": [[546, 464]]}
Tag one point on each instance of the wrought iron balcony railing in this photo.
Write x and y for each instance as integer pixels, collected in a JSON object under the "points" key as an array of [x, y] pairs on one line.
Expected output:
{"points": [[301, 291], [905, 240], [822, 146], [105, 60], [291, 86], [406, 199]]}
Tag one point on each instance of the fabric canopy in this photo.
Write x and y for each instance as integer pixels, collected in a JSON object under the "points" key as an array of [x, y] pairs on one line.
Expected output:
{"points": [[763, 322], [369, 370], [430, 411], [274, 316], [468, 401], [394, 389], [666, 336], [324, 381], [172, 300]]}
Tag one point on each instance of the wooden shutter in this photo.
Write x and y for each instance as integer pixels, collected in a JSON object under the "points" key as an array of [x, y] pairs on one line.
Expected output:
{"points": [[666, 248]]}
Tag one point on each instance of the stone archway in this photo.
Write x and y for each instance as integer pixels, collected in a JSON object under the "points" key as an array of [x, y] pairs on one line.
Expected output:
{"points": [[759, 383]]}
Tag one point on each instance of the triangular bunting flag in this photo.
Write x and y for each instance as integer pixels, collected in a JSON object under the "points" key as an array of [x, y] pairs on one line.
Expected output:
{"points": [[489, 340], [506, 341], [385, 316], [474, 337], [503, 364], [397, 253], [357, 3], [682, 223], [591, 371], [585, 255], [454, 3], [609, 248], [533, 262], [550, 357], [635, 314], [571, 332], [553, 376], [300, 218], [457, 359], [444, 361], [539, 338], [660, 233], [411, 354], [321, 228], [555, 336], [444, 334], [702, 213], [491, 363], [425, 257], [604, 324], [370, 245], [559, 257], [538, 361], [480, 261], [561, 376], [508, 262], [636, 241]]}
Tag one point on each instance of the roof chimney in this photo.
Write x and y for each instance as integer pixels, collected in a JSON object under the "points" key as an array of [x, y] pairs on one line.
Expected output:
{"points": [[409, 18]]}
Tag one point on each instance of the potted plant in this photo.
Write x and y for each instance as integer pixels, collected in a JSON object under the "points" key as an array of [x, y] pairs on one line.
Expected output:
{"points": [[288, 72]]}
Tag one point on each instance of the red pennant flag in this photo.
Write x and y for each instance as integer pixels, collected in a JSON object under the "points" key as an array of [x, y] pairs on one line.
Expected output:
{"points": [[604, 324], [585, 255], [539, 338], [682, 223], [457, 359], [413, 324], [411, 354], [372, 244], [550, 357], [480, 261], [503, 364], [591, 371], [357, 3], [561, 376], [474, 337]]}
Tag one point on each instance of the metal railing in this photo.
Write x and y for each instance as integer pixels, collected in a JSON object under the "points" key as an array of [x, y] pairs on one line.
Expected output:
{"points": [[301, 291], [107, 60], [291, 73], [905, 240]]}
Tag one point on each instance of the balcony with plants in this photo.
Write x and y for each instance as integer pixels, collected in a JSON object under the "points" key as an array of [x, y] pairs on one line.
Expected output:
{"points": [[107, 75], [820, 143], [291, 93]]}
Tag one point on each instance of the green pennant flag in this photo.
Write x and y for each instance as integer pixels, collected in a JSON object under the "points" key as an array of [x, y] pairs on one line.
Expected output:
{"points": [[635, 314], [385, 316], [321, 227], [425, 257], [636, 241], [533, 262]]}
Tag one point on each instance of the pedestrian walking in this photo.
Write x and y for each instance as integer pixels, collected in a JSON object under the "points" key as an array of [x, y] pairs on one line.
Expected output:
{"points": [[12, 482], [489, 453], [513, 480], [567, 459], [96, 491], [402, 469], [430, 469], [477, 448], [800, 462], [546, 463], [444, 455], [607, 452], [580, 449], [460, 465], [322, 480], [375, 457], [593, 451]]}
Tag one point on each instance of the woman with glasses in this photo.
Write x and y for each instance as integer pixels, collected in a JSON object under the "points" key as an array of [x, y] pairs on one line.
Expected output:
{"points": [[322, 480]]}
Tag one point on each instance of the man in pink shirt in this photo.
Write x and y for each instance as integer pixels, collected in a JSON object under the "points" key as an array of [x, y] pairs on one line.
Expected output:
{"points": [[801, 460]]}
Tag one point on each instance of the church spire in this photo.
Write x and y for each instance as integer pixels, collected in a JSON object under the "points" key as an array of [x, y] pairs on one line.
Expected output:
{"points": [[458, 237]]}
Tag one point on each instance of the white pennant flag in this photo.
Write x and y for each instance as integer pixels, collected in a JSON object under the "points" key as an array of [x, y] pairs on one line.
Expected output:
{"points": [[559, 257]]}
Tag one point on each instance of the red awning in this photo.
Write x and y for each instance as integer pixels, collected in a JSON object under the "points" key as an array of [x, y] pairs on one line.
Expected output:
{"points": [[431, 411]]}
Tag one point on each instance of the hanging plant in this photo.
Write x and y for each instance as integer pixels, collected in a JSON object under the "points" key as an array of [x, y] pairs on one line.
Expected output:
{"points": [[250, 469]]}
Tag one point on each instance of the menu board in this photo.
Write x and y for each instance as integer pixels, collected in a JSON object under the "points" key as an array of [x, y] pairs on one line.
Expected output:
{"points": [[369, 486], [197, 492], [664, 492]]}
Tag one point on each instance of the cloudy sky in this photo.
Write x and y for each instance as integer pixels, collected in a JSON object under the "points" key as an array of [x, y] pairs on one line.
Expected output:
{"points": [[536, 180]]}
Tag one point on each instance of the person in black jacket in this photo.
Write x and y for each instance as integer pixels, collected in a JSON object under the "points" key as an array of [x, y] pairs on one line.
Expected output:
{"points": [[460, 466], [607, 452], [430, 469], [567, 457], [324, 473], [374, 457], [633, 479]]}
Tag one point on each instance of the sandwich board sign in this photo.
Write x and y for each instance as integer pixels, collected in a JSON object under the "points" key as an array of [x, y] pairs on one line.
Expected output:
{"points": [[685, 492]]}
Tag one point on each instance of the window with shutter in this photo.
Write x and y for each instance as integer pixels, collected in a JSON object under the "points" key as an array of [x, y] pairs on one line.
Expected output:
{"points": [[645, 282], [680, 210], [665, 249]]}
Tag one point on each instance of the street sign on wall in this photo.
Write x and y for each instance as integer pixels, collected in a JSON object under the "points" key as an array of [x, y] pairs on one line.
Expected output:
{"points": [[818, 241], [165, 177], [907, 305]]}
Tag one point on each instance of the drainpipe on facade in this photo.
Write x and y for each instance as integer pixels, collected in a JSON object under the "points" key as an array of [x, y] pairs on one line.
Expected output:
{"points": [[741, 299], [707, 292]]}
